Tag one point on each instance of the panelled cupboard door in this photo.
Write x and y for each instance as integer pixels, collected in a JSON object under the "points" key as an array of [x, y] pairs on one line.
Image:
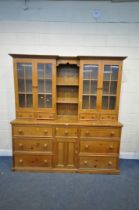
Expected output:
{"points": [[24, 82], [45, 79], [90, 83], [111, 83]]}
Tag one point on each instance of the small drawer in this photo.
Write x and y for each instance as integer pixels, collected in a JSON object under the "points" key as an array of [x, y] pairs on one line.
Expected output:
{"points": [[88, 117], [99, 146], [25, 115], [107, 117], [97, 162], [100, 132], [32, 160], [44, 115], [32, 145], [66, 132], [32, 131]]}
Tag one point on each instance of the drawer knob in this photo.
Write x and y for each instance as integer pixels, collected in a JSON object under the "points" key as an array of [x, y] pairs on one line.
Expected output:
{"points": [[45, 132], [85, 162], [56, 129], [20, 145], [82, 117], [111, 147], [45, 145], [112, 133], [87, 132], [30, 115], [86, 146], [20, 131], [45, 161], [66, 132], [109, 163], [20, 161]]}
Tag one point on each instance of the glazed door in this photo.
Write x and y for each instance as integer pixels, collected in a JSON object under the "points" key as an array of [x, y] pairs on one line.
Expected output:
{"points": [[46, 88], [89, 87]]}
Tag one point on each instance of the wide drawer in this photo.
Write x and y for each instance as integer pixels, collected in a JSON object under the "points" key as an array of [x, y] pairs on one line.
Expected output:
{"points": [[32, 145], [32, 131], [99, 146], [100, 162], [100, 132], [66, 132], [32, 161]]}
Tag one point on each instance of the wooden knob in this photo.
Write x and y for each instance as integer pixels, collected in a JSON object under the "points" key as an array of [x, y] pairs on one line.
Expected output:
{"points": [[45, 161], [20, 145], [20, 161], [111, 147], [20, 115], [82, 117], [20, 131], [112, 133], [40, 116], [30, 115], [66, 132], [109, 163], [86, 146], [56, 129], [85, 162], [45, 131], [87, 132], [45, 145]]}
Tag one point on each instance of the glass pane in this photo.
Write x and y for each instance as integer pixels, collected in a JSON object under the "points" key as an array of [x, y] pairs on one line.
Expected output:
{"points": [[112, 102], [21, 85], [93, 87], [28, 86], [41, 101], [113, 87], [85, 104], [48, 101], [20, 70], [86, 85], [107, 71], [41, 86], [29, 100], [93, 102], [22, 100], [94, 70], [48, 70], [86, 71], [106, 87], [115, 72], [40, 71], [105, 102], [48, 85], [28, 68]]}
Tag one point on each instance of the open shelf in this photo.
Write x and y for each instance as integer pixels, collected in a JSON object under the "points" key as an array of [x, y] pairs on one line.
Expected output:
{"points": [[67, 100]]}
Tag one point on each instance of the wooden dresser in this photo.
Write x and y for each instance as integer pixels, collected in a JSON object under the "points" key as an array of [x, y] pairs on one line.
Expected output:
{"points": [[67, 113]]}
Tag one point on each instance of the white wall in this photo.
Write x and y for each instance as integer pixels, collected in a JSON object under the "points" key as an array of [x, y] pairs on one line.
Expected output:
{"points": [[68, 28]]}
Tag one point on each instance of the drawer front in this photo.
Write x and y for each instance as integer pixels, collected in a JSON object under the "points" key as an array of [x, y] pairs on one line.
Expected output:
{"points": [[66, 132], [100, 132], [99, 146], [43, 115], [109, 117], [25, 115], [98, 162], [32, 145], [88, 116], [32, 131], [32, 161]]}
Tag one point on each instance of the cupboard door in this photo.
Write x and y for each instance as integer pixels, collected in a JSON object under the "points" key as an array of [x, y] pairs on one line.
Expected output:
{"points": [[46, 91], [111, 86], [89, 85], [24, 84], [66, 153]]}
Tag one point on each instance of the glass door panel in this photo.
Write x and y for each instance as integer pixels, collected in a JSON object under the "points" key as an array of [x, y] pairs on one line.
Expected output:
{"points": [[24, 76], [110, 81], [90, 83], [44, 85]]}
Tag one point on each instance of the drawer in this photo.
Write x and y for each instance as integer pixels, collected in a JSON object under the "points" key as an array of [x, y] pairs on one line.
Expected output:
{"points": [[32, 131], [32, 145], [25, 115], [33, 161], [108, 117], [99, 146], [99, 162], [65, 131], [44, 115], [100, 132], [88, 116]]}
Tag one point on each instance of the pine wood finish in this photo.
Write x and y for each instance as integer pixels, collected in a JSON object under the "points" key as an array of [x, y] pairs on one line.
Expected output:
{"points": [[67, 113]]}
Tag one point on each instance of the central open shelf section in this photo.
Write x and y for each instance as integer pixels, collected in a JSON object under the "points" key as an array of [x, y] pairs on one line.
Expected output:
{"points": [[67, 89]]}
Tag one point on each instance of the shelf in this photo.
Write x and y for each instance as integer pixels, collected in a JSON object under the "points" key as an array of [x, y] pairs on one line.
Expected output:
{"points": [[67, 100], [44, 93], [89, 94], [109, 95], [67, 81]]}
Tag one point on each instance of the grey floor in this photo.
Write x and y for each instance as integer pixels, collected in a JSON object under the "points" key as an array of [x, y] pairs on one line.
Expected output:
{"points": [[51, 191]]}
